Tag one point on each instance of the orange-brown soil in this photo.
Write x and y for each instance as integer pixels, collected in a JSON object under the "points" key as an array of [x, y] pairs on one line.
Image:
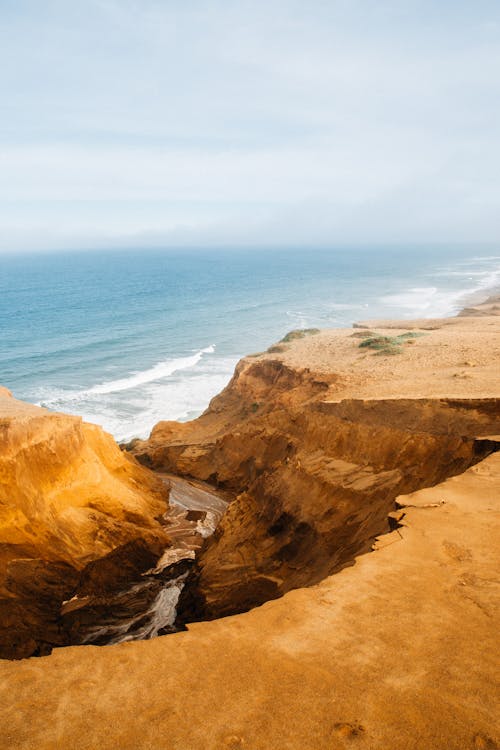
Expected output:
{"points": [[317, 439], [68, 496], [327, 445], [398, 651]]}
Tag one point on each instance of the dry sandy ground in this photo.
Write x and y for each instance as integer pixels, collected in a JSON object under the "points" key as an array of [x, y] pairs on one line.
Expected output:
{"points": [[397, 652], [454, 357]]}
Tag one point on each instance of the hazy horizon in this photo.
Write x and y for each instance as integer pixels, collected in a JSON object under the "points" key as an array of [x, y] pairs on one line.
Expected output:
{"points": [[131, 124]]}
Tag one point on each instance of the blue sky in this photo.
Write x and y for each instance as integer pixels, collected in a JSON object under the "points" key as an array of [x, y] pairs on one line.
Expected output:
{"points": [[143, 122]]}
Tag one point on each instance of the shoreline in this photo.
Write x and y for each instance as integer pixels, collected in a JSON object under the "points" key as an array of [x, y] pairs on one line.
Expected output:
{"points": [[328, 455], [478, 298], [487, 296], [329, 299]]}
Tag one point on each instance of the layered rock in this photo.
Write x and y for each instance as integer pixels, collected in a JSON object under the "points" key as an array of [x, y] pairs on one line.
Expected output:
{"points": [[398, 650], [317, 455], [68, 496]]}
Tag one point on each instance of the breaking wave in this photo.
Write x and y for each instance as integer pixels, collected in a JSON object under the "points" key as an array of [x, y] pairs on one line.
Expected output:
{"points": [[158, 372]]}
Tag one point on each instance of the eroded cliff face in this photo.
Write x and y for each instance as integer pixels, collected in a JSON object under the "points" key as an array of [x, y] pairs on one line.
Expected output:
{"points": [[315, 475], [396, 652], [316, 457], [68, 496]]}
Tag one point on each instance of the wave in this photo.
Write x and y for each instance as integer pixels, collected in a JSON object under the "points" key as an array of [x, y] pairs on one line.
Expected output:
{"points": [[490, 280], [157, 372], [134, 413], [435, 301]]}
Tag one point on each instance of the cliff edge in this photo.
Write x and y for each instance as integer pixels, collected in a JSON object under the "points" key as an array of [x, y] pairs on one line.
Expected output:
{"points": [[317, 437], [68, 496], [397, 651], [367, 481]]}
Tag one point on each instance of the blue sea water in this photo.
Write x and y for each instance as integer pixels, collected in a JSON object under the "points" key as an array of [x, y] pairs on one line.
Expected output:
{"points": [[126, 338]]}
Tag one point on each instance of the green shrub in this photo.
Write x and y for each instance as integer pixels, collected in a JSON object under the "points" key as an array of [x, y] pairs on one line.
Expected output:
{"points": [[300, 333], [388, 344], [410, 335]]}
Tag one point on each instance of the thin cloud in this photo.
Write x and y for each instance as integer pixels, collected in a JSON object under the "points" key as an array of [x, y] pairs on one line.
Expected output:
{"points": [[127, 122]]}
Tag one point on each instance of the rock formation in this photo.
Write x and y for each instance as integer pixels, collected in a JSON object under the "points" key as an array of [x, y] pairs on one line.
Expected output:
{"points": [[396, 651], [68, 496], [317, 469], [367, 497]]}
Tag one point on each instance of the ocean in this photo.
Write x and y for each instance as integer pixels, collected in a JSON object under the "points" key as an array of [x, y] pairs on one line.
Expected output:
{"points": [[127, 338]]}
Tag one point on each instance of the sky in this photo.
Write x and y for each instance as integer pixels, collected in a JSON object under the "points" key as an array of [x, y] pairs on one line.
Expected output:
{"points": [[141, 123]]}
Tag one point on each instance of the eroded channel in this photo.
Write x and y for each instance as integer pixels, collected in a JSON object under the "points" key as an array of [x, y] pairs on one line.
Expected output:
{"points": [[113, 605]]}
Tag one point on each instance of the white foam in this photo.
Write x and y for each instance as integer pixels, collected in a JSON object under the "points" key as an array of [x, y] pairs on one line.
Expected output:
{"points": [[183, 394], [419, 299], [158, 372], [432, 301], [180, 388], [182, 399]]}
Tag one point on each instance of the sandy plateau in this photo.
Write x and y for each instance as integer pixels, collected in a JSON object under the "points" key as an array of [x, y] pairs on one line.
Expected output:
{"points": [[348, 597]]}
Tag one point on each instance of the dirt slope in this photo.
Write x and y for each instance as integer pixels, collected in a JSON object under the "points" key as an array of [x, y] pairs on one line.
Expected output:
{"points": [[318, 436], [398, 651], [68, 496]]}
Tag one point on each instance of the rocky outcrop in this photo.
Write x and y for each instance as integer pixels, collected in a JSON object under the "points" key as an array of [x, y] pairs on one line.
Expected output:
{"points": [[316, 475], [68, 496], [397, 651]]}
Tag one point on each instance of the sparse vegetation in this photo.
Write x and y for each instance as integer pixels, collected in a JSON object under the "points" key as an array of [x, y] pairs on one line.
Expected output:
{"points": [[387, 345], [277, 349], [299, 333]]}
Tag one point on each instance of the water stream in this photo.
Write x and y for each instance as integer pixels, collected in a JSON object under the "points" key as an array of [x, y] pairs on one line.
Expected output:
{"points": [[148, 607]]}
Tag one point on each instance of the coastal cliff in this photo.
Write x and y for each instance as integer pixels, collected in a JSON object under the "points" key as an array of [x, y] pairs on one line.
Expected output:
{"points": [[366, 478], [396, 651], [68, 497], [317, 454]]}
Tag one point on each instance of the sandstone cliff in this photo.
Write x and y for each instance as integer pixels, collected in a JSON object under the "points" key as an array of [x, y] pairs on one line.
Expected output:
{"points": [[318, 438], [68, 496], [396, 652], [318, 454]]}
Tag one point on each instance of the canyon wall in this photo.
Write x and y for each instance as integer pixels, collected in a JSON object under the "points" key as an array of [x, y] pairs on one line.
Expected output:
{"points": [[68, 496], [396, 650], [316, 471]]}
